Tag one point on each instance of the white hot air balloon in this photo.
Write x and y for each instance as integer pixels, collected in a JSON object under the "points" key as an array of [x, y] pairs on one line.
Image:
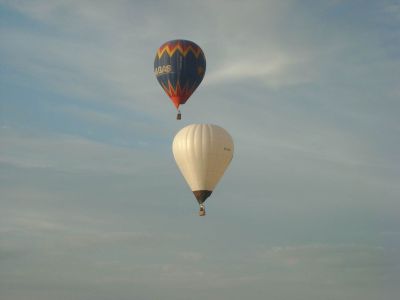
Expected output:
{"points": [[202, 153]]}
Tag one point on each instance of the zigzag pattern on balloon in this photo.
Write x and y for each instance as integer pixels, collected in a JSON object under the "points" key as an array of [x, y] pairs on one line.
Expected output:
{"points": [[171, 48], [179, 94]]}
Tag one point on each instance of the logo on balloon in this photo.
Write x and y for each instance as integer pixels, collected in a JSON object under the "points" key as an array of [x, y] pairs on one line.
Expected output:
{"points": [[162, 70]]}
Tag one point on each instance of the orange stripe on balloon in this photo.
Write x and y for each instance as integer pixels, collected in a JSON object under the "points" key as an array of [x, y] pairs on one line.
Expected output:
{"points": [[178, 94]]}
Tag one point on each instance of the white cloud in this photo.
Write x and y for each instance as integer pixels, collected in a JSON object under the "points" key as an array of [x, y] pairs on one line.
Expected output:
{"points": [[92, 63], [276, 72]]}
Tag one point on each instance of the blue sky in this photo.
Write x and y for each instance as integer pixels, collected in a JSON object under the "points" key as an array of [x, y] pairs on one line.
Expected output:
{"points": [[92, 205]]}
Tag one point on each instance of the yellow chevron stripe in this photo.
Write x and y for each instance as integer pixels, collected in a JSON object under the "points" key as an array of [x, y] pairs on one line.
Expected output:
{"points": [[178, 47]]}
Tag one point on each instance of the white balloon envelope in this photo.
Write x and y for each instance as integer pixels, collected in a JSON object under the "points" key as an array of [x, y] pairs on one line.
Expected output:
{"points": [[202, 153]]}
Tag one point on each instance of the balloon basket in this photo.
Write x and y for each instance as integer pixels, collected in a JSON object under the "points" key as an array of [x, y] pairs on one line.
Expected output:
{"points": [[202, 211], [179, 116]]}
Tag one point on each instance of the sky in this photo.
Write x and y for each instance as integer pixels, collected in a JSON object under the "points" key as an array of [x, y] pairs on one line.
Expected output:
{"points": [[92, 205]]}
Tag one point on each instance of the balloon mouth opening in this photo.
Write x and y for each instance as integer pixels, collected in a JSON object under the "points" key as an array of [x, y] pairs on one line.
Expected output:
{"points": [[178, 100], [202, 195]]}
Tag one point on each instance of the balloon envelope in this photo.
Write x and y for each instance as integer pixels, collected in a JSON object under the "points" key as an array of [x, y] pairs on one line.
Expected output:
{"points": [[202, 153], [179, 66]]}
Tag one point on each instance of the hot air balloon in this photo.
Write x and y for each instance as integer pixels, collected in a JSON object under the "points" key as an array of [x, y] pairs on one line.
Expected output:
{"points": [[179, 66], [202, 153]]}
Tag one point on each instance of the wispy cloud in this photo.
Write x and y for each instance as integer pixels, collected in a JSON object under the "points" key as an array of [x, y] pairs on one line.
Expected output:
{"points": [[71, 154], [274, 72], [393, 9], [327, 255], [92, 205]]}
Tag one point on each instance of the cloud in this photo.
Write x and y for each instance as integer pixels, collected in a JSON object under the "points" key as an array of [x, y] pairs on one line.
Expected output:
{"points": [[82, 57], [335, 265], [77, 232], [392, 9], [191, 256], [327, 256], [89, 189], [331, 265], [71, 154], [10, 252], [275, 72]]}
